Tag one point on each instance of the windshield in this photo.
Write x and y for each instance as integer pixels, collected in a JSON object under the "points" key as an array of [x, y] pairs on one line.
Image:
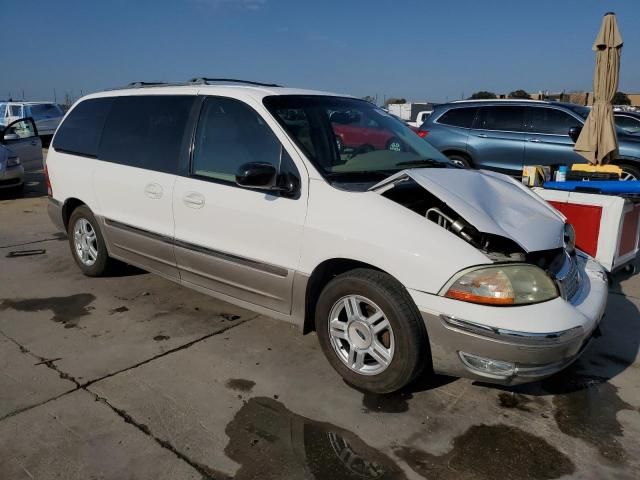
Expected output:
{"points": [[351, 140]]}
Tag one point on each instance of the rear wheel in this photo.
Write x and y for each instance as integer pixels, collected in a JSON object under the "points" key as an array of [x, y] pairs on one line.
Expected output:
{"points": [[629, 172], [87, 243], [371, 331], [459, 159]]}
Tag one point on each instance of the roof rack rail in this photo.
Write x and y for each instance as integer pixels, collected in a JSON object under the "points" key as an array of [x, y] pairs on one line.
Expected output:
{"points": [[207, 81], [145, 84]]}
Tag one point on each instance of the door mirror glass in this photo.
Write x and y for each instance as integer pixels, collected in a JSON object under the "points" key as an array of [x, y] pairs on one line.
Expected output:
{"points": [[574, 133], [19, 130], [257, 175]]}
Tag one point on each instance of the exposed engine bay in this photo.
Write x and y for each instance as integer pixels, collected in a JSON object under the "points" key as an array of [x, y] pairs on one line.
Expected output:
{"points": [[410, 194]]}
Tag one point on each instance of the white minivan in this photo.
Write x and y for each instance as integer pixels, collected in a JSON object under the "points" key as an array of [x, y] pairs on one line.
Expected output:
{"points": [[399, 260]]}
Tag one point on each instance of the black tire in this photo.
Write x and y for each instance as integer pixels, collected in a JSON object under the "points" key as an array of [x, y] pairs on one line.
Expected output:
{"points": [[460, 159], [395, 144], [411, 351], [629, 170], [103, 264], [18, 191]]}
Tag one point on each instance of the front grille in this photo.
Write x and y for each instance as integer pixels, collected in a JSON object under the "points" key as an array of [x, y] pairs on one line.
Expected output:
{"points": [[568, 278]]}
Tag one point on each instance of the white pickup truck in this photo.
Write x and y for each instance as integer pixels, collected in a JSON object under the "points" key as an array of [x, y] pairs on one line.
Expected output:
{"points": [[420, 118], [414, 114]]}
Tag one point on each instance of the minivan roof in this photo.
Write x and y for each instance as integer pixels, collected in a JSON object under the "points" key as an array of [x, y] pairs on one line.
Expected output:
{"points": [[233, 88]]}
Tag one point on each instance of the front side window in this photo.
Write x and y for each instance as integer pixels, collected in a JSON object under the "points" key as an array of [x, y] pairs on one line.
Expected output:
{"points": [[230, 134], [19, 130], [146, 131], [80, 131], [550, 121], [351, 141], [504, 118], [458, 117]]}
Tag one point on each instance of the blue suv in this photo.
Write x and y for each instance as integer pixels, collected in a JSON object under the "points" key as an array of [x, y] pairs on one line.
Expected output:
{"points": [[504, 135]]}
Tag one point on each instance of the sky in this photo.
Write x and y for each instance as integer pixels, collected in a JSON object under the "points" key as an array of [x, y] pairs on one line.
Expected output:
{"points": [[422, 50]]}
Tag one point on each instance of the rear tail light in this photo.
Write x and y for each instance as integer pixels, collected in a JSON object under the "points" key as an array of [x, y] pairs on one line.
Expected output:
{"points": [[46, 177], [423, 133]]}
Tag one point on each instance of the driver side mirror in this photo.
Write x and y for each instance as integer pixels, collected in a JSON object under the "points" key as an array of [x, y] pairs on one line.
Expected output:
{"points": [[574, 133], [10, 136], [19, 130], [257, 175], [264, 176]]}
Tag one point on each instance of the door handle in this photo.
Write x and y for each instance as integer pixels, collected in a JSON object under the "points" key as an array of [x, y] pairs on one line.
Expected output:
{"points": [[533, 140], [482, 135], [153, 190], [193, 200]]}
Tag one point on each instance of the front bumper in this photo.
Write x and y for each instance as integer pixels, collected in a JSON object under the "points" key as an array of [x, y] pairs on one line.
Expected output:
{"points": [[535, 340]]}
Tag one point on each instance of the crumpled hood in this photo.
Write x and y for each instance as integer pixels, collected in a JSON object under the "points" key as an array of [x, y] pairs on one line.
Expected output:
{"points": [[492, 202]]}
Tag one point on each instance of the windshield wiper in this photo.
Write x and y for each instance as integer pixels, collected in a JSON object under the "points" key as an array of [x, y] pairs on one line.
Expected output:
{"points": [[423, 161], [359, 173]]}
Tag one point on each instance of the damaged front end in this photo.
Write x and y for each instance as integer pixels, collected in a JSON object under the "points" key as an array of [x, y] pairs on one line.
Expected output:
{"points": [[493, 213]]}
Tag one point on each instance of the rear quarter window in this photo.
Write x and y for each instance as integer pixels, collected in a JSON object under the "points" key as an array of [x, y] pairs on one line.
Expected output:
{"points": [[45, 110], [458, 117], [80, 132], [146, 131]]}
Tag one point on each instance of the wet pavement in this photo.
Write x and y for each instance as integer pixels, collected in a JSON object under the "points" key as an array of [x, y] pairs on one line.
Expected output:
{"points": [[136, 377]]}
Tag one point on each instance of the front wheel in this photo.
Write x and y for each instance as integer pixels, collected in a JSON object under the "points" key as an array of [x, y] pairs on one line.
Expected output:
{"points": [[371, 331]]}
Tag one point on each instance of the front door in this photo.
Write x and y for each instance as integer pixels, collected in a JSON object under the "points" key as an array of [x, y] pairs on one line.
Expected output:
{"points": [[21, 137], [238, 242], [547, 140], [497, 140]]}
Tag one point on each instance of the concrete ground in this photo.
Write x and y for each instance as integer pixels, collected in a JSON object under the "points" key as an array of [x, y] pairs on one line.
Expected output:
{"points": [[134, 377]]}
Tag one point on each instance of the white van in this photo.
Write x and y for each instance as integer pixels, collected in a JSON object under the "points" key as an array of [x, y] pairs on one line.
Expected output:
{"points": [[399, 260], [47, 115]]}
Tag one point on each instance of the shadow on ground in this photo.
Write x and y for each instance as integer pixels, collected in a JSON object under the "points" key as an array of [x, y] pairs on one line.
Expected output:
{"points": [[34, 186]]}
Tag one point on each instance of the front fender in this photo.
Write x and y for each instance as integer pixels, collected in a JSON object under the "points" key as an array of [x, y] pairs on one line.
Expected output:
{"points": [[369, 228]]}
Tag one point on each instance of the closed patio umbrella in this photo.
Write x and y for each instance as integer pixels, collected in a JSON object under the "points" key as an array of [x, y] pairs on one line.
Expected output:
{"points": [[598, 142]]}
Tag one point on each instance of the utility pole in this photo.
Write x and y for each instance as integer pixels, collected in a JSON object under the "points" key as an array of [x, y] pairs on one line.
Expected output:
{"points": [[55, 97]]}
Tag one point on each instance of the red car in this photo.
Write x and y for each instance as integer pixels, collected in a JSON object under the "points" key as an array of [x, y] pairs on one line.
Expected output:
{"points": [[355, 132]]}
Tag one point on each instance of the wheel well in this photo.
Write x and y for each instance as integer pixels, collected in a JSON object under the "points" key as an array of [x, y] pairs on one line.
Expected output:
{"points": [[320, 276], [67, 209], [459, 153]]}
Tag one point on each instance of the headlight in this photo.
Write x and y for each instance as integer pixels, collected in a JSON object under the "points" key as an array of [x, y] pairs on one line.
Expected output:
{"points": [[569, 238], [518, 284], [13, 161]]}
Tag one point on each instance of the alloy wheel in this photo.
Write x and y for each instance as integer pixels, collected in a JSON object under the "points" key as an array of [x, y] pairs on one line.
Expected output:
{"points": [[85, 242], [627, 175], [361, 335]]}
